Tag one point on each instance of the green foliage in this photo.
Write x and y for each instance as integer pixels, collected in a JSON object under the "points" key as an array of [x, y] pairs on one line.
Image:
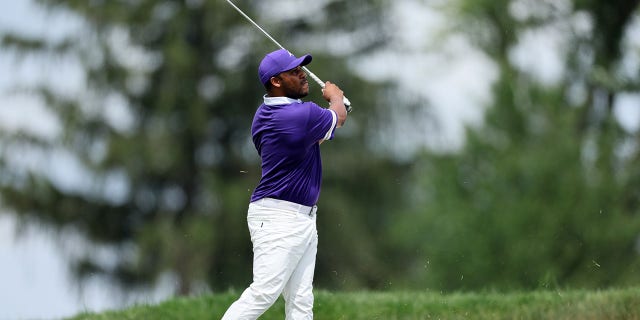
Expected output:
{"points": [[609, 304], [519, 213], [535, 197]]}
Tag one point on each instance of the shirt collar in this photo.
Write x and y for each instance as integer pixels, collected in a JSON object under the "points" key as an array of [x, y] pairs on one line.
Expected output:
{"points": [[276, 101]]}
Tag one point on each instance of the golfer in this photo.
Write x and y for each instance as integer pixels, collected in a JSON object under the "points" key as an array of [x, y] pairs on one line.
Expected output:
{"points": [[287, 134]]}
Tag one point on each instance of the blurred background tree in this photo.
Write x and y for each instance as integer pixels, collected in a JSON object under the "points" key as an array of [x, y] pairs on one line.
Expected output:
{"points": [[543, 193]]}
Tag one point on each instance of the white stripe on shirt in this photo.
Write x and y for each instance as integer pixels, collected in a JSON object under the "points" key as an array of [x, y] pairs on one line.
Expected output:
{"points": [[333, 125]]}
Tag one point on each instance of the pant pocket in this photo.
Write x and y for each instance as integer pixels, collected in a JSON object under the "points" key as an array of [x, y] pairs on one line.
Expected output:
{"points": [[256, 227]]}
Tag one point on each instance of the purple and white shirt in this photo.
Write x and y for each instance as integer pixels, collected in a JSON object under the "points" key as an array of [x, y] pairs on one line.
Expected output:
{"points": [[286, 132]]}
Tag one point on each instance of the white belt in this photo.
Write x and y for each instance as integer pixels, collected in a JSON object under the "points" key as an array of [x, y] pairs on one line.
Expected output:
{"points": [[286, 205]]}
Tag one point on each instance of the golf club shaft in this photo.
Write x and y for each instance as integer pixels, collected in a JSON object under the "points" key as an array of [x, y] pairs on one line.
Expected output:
{"points": [[346, 101]]}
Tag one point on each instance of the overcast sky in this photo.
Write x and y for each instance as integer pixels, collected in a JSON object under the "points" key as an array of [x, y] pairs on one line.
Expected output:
{"points": [[33, 273]]}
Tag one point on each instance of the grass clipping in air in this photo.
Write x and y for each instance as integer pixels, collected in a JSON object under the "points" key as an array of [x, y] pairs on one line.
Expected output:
{"points": [[572, 304]]}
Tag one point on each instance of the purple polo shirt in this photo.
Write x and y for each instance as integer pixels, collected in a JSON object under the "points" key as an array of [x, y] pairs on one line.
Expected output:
{"points": [[286, 133]]}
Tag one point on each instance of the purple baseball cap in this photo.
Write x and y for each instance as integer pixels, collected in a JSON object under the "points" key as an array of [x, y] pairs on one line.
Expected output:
{"points": [[279, 61]]}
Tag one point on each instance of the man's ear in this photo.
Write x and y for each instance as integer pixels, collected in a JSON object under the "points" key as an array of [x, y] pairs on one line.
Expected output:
{"points": [[275, 81]]}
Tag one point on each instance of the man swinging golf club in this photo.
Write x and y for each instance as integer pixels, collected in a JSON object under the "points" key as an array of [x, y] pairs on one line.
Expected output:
{"points": [[287, 133]]}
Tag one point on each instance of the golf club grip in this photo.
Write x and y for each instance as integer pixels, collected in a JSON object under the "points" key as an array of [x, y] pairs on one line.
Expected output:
{"points": [[313, 76]]}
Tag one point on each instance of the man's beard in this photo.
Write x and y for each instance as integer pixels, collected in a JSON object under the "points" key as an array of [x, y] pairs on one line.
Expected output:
{"points": [[297, 93]]}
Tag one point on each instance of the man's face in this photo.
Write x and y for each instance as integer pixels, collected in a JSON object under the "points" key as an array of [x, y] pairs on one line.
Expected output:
{"points": [[294, 83]]}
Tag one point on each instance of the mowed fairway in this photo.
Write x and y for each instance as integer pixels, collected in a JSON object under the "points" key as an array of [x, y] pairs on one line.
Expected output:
{"points": [[573, 304]]}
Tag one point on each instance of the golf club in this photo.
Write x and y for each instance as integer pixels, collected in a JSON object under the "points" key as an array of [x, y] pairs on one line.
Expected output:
{"points": [[346, 101]]}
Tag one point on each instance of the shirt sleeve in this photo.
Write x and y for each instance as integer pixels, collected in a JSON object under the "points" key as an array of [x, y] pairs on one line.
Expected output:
{"points": [[321, 124]]}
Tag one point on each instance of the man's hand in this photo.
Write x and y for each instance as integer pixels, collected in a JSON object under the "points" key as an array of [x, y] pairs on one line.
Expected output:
{"points": [[334, 95]]}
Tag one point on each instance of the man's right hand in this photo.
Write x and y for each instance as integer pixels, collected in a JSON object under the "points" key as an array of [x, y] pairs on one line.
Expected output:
{"points": [[332, 92], [334, 95]]}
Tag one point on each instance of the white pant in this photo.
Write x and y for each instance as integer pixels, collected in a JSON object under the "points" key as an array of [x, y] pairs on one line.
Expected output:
{"points": [[285, 242]]}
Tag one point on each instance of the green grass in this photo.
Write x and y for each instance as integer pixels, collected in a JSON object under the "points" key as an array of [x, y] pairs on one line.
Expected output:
{"points": [[574, 304]]}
